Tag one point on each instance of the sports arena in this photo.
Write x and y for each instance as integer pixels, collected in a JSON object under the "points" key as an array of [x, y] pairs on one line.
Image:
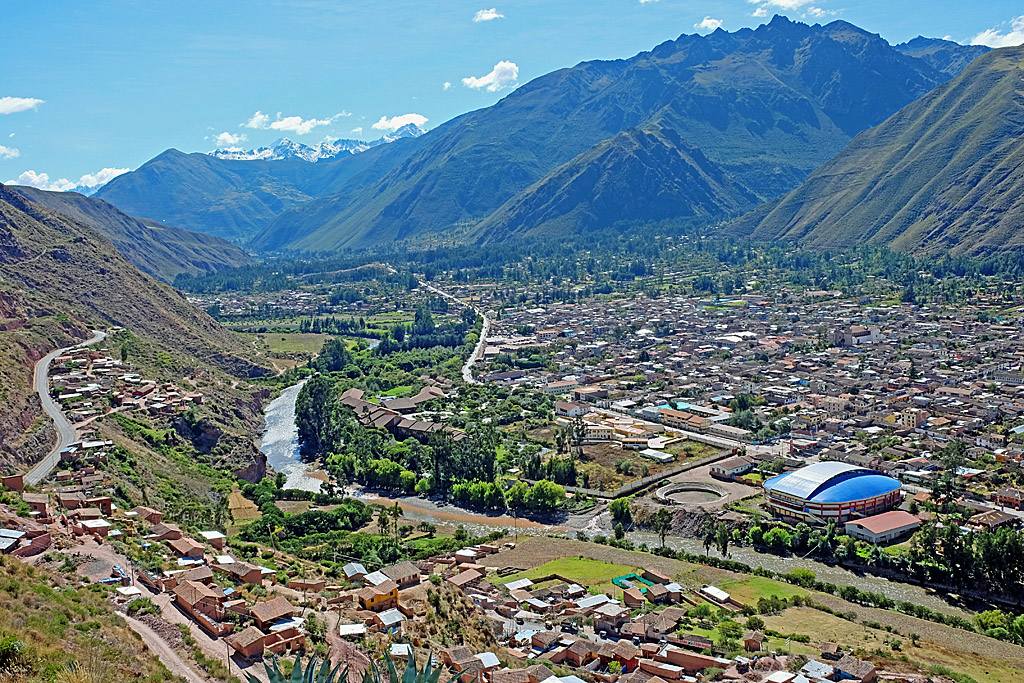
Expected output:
{"points": [[831, 491]]}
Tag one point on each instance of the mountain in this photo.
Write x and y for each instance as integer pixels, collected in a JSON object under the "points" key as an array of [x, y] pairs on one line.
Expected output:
{"points": [[764, 107], [234, 198], [943, 175], [60, 278], [945, 55], [159, 250], [670, 179], [322, 151]]}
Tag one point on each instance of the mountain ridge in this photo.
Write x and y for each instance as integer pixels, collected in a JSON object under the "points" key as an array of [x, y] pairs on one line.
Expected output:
{"points": [[944, 174], [162, 251], [765, 105]]}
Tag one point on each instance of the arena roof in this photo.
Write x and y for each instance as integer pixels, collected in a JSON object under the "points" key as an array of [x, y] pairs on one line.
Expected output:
{"points": [[832, 482]]}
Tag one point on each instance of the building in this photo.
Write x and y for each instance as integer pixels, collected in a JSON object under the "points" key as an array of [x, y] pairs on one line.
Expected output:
{"points": [[883, 528], [831, 491], [267, 612], [1010, 497], [378, 598], [733, 467], [405, 574]]}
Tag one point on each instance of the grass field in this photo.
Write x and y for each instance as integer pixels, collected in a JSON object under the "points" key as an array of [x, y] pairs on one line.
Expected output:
{"points": [[399, 391], [290, 344], [595, 575], [749, 589]]}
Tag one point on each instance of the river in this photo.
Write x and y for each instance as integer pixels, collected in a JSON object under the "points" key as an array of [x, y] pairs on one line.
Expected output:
{"points": [[280, 442]]}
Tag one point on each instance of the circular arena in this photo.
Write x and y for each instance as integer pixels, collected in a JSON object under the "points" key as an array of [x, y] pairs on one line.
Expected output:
{"points": [[830, 491]]}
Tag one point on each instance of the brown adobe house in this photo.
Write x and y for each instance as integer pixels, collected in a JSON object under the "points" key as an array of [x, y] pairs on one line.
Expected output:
{"points": [[405, 574], [267, 612], [165, 532], [148, 514]]}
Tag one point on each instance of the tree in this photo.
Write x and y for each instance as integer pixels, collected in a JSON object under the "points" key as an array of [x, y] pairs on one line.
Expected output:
{"points": [[722, 538], [620, 532], [661, 522], [395, 512], [621, 510], [319, 417], [334, 356], [279, 480]]}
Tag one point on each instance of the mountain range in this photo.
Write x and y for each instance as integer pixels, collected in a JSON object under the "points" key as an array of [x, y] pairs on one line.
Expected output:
{"points": [[322, 151], [944, 174], [747, 114]]}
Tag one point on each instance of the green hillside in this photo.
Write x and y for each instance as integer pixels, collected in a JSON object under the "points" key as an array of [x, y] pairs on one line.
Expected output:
{"points": [[160, 250], [945, 174]]}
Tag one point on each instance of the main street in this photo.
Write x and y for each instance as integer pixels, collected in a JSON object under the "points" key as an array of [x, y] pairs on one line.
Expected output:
{"points": [[481, 344], [65, 432]]}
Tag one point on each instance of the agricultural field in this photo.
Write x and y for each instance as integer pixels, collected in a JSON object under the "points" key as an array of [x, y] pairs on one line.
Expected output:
{"points": [[593, 574], [242, 511]]}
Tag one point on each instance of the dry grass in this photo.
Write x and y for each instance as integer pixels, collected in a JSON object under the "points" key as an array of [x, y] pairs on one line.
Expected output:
{"points": [[960, 652]]}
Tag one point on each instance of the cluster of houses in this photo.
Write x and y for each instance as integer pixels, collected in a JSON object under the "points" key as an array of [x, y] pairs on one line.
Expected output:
{"points": [[838, 365], [87, 382], [632, 640], [397, 415]]}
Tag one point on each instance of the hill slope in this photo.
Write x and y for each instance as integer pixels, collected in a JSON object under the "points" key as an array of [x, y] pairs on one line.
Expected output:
{"points": [[945, 174], [667, 179], [766, 106], [60, 278], [158, 250]]}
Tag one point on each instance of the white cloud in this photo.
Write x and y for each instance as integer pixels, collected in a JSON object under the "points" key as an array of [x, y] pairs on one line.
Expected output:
{"points": [[447, 85], [258, 120], [9, 152], [805, 8], [43, 182], [357, 130], [227, 139], [503, 75], [101, 177], [487, 15], [708, 24], [12, 105], [396, 122], [993, 37], [298, 125], [294, 124], [647, 2]]}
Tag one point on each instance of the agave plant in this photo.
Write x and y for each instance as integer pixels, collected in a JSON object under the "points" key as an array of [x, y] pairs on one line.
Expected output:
{"points": [[311, 675], [371, 675]]}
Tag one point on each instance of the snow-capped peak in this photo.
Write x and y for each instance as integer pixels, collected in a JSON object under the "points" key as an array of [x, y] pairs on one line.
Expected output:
{"points": [[328, 149]]}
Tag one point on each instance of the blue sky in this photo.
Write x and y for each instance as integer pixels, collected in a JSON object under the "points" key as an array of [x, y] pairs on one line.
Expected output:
{"points": [[106, 84]]}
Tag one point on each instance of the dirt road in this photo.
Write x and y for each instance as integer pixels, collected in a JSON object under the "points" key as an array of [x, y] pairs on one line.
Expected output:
{"points": [[164, 652]]}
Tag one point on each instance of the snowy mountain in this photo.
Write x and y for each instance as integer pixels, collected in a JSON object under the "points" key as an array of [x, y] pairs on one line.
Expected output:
{"points": [[328, 149]]}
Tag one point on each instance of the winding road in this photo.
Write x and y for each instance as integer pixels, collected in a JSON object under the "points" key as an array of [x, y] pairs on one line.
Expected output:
{"points": [[467, 369], [65, 432]]}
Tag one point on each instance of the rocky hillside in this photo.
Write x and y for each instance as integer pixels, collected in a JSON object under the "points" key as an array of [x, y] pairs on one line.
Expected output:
{"points": [[160, 250], [945, 174], [59, 279], [50, 625]]}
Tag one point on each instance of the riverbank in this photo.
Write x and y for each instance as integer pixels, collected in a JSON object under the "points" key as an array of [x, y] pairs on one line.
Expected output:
{"points": [[280, 443]]}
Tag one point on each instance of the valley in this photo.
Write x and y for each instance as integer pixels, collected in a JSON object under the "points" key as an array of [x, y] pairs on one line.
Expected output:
{"points": [[703, 363]]}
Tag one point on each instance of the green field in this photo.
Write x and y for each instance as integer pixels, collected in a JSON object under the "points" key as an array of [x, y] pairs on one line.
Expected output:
{"points": [[398, 391], [749, 589], [287, 344], [595, 575]]}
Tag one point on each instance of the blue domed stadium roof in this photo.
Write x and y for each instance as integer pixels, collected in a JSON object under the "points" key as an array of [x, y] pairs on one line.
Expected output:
{"points": [[832, 482]]}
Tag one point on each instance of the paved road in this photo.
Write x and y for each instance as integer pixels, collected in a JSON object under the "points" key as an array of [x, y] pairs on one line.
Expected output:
{"points": [[65, 432], [467, 369]]}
